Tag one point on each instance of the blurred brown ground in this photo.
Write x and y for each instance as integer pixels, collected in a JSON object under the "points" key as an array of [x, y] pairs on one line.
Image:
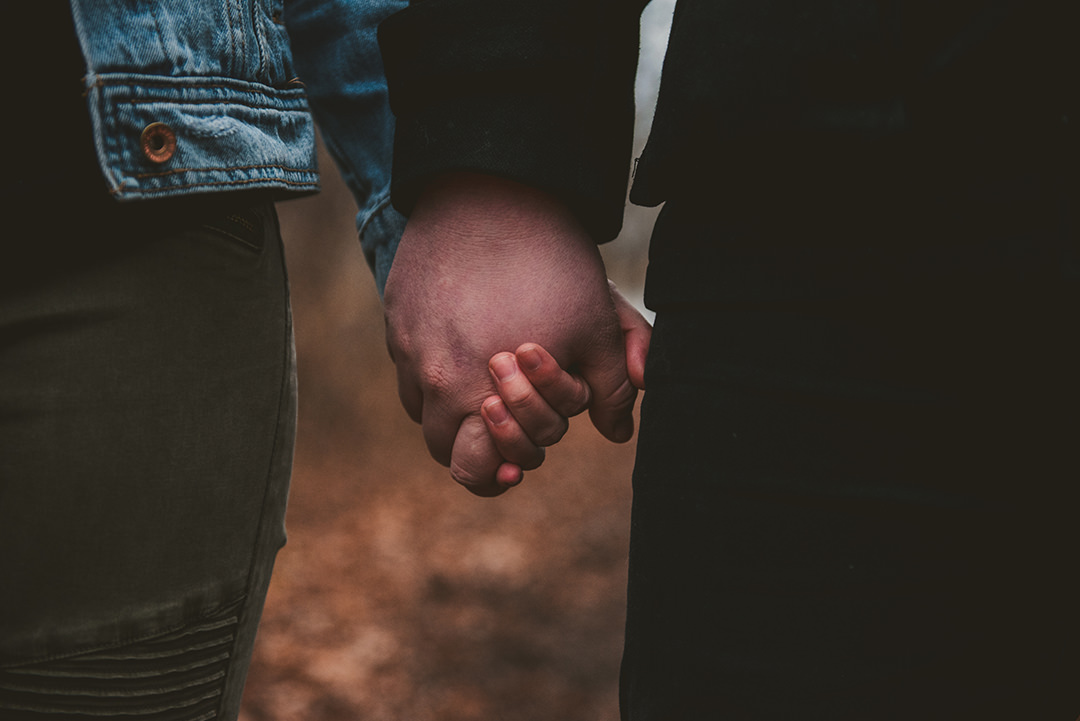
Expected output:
{"points": [[399, 595]]}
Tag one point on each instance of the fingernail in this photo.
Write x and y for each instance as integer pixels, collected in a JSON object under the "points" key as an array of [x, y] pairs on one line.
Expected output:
{"points": [[497, 412], [530, 359], [503, 366]]}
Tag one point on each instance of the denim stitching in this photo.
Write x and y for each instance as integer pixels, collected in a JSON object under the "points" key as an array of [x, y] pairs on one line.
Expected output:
{"points": [[210, 184], [160, 35], [159, 101], [259, 29], [239, 10], [227, 168], [102, 83]]}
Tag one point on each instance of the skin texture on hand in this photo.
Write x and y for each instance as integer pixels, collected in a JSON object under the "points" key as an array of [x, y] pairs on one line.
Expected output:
{"points": [[484, 266]]}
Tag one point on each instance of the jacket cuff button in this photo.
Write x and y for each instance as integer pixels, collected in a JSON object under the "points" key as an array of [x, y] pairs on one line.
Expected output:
{"points": [[158, 142]]}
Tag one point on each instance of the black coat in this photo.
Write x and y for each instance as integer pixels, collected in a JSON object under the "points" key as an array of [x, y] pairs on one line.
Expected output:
{"points": [[761, 100]]}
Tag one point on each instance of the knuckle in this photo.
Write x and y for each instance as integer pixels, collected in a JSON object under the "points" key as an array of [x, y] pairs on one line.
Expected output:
{"points": [[522, 399], [464, 475], [435, 382], [548, 378], [474, 484], [581, 399], [621, 399]]}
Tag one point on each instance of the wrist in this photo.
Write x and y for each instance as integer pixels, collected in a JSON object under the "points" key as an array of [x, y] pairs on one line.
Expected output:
{"points": [[474, 208]]}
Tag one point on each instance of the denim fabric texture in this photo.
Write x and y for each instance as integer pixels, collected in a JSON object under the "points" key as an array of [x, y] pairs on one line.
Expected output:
{"points": [[220, 78], [227, 85], [332, 39]]}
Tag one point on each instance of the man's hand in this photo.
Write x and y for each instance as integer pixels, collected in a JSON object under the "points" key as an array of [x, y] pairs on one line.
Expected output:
{"points": [[484, 266]]}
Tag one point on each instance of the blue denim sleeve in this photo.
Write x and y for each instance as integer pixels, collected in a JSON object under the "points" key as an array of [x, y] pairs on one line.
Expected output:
{"points": [[337, 57]]}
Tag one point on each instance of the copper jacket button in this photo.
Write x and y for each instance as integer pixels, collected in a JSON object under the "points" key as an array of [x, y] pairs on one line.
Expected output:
{"points": [[158, 142]]}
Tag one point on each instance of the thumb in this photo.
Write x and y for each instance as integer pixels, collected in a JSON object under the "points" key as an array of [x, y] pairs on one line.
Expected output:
{"points": [[612, 407], [475, 462], [637, 333]]}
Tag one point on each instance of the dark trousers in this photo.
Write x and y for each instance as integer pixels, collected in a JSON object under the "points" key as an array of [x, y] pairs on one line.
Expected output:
{"points": [[147, 403], [861, 504]]}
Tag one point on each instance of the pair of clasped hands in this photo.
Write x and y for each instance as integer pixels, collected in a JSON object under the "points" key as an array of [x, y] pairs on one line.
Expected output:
{"points": [[502, 325]]}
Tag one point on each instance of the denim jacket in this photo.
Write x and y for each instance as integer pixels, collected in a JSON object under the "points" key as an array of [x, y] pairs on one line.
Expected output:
{"points": [[203, 97]]}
